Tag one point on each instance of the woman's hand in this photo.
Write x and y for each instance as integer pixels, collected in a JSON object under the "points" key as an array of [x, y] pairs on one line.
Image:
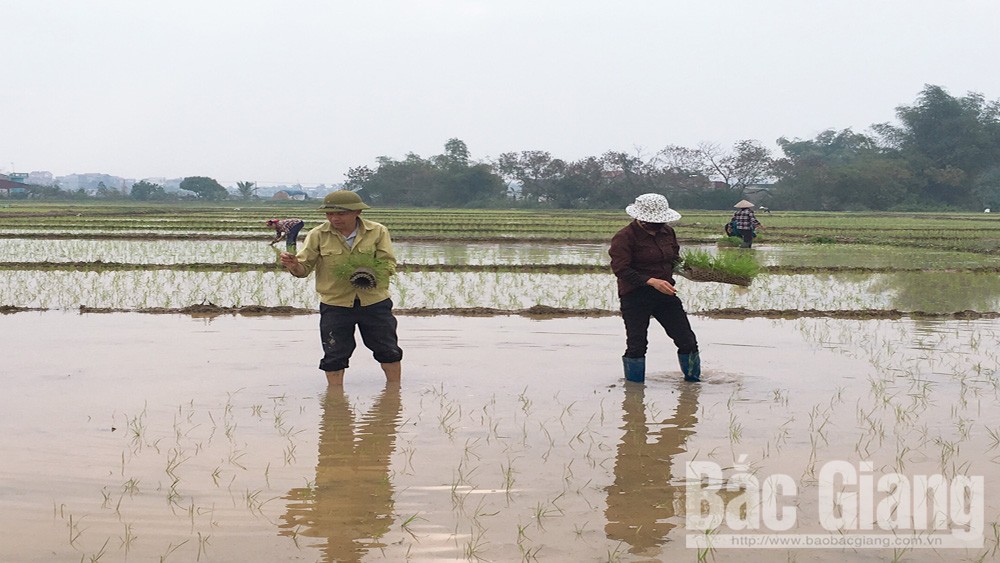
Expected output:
{"points": [[663, 286]]}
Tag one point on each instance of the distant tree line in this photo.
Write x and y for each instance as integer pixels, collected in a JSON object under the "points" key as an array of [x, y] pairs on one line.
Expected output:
{"points": [[943, 153], [537, 179]]}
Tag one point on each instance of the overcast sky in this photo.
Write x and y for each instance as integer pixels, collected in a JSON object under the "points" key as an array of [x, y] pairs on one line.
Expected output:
{"points": [[299, 91]]}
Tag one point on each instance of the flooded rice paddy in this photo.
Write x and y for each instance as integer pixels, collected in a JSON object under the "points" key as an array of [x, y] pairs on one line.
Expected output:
{"points": [[140, 437], [166, 437], [908, 280], [931, 292], [180, 252]]}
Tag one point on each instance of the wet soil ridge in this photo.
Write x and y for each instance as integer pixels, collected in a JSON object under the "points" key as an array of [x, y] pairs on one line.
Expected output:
{"points": [[537, 311], [99, 265]]}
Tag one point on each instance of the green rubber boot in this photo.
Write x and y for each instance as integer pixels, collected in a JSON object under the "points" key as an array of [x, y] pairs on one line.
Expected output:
{"points": [[690, 366], [635, 369]]}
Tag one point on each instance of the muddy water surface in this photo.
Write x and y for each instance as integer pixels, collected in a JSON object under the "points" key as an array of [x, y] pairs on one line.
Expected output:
{"points": [[148, 437]]}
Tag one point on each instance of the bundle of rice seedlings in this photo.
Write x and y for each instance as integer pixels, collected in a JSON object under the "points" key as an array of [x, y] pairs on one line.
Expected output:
{"points": [[364, 271], [729, 242], [277, 255], [737, 268]]}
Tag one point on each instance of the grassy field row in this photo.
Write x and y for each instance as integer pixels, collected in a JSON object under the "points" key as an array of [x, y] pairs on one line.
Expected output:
{"points": [[569, 269]]}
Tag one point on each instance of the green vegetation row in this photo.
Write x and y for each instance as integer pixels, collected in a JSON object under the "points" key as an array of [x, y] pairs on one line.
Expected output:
{"points": [[219, 216], [99, 266], [972, 232]]}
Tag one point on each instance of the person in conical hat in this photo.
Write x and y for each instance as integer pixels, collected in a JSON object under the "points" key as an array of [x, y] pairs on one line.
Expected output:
{"points": [[744, 223], [643, 255]]}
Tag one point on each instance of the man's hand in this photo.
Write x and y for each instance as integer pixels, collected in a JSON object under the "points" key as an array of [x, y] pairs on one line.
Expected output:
{"points": [[292, 264], [663, 286]]}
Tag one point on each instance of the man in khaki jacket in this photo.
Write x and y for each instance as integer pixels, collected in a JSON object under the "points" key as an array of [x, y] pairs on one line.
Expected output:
{"points": [[349, 299]]}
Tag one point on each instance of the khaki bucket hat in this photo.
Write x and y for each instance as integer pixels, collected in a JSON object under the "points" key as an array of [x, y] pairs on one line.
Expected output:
{"points": [[343, 200]]}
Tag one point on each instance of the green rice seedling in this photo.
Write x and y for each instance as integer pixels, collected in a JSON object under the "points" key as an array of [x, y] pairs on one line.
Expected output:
{"points": [[216, 475], [617, 554], [174, 460], [406, 525], [106, 495], [476, 545], [173, 495], [127, 538], [994, 437], [235, 456], [522, 533], [898, 553], [530, 554], [171, 548], [74, 531], [364, 271], [295, 536], [202, 545], [470, 449], [729, 242], [451, 415], [253, 502], [508, 477], [289, 453], [709, 549], [735, 429], [738, 268], [780, 396], [97, 556], [131, 487]]}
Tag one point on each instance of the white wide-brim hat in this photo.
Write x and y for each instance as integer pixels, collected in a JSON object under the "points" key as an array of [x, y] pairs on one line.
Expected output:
{"points": [[743, 204], [652, 208]]}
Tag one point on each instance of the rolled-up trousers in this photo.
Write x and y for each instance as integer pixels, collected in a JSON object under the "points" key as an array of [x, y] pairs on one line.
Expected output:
{"points": [[378, 331]]}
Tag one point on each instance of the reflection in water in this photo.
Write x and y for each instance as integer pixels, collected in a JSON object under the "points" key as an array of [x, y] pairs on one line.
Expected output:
{"points": [[642, 500], [351, 504], [942, 292]]}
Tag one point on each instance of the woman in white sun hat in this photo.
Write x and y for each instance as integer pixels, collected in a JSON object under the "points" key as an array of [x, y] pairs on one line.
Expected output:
{"points": [[643, 255]]}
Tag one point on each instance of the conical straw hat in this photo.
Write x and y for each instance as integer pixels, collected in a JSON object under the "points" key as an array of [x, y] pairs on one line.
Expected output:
{"points": [[743, 204]]}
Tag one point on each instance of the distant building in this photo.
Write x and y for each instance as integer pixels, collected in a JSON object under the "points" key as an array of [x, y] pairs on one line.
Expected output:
{"points": [[40, 178], [90, 182], [297, 195], [13, 184]]}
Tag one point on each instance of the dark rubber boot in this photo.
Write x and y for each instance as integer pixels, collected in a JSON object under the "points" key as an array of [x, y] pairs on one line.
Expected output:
{"points": [[635, 369], [690, 366]]}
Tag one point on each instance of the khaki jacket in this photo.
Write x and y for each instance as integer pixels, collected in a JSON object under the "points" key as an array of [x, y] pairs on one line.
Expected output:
{"points": [[325, 248]]}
